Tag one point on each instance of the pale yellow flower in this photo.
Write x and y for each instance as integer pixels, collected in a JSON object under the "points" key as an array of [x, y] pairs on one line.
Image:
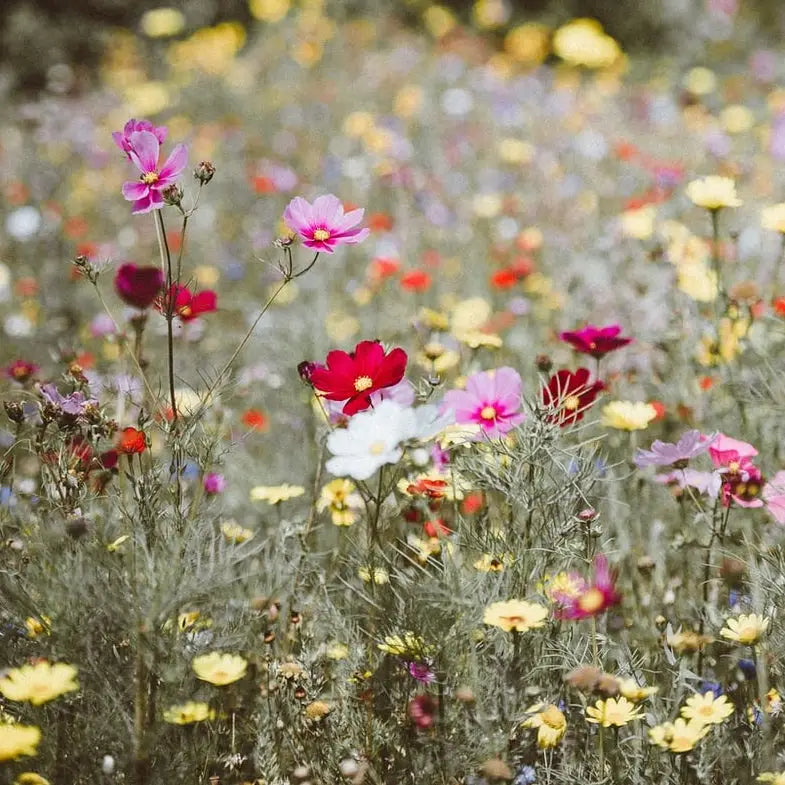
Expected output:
{"points": [[746, 629], [18, 740], [698, 281], [30, 778], [550, 722], [162, 22], [528, 43], [628, 415], [713, 192], [584, 42], [337, 651], [630, 689], [317, 710], [707, 709], [773, 218], [381, 575], [774, 777], [613, 711], [188, 713], [340, 497], [638, 224], [700, 81], [517, 615], [275, 494], [235, 533], [737, 119], [407, 644], [39, 683], [219, 669]]}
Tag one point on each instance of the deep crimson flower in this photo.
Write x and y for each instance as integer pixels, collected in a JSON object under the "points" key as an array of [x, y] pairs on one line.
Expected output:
{"points": [[356, 375], [138, 286], [422, 710], [596, 341], [569, 395], [592, 599], [188, 305], [131, 441], [20, 370]]}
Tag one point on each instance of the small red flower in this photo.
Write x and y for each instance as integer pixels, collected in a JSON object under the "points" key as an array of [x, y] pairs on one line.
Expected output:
{"points": [[433, 489], [380, 222], [383, 267], [569, 395], [353, 377], [188, 305], [131, 441], [20, 371], [416, 281], [505, 278], [138, 286], [472, 503], [255, 419], [436, 527], [596, 341]]}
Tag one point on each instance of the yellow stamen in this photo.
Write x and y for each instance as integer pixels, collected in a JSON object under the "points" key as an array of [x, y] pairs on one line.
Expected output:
{"points": [[362, 383], [488, 413], [591, 601], [572, 402], [377, 448], [149, 178], [321, 235]]}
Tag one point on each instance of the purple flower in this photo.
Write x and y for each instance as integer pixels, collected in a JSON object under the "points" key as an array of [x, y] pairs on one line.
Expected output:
{"points": [[691, 444], [123, 138], [74, 404], [421, 671], [214, 483], [323, 225], [704, 482], [145, 193]]}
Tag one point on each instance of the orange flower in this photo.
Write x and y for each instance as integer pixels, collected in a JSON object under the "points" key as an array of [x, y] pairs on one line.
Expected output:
{"points": [[380, 222], [131, 441], [416, 281], [255, 419], [504, 278]]}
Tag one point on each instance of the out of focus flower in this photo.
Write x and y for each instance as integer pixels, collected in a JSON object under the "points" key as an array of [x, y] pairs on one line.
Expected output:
{"points": [[423, 710], [20, 371], [713, 192], [773, 218], [219, 669], [678, 736], [690, 445], [145, 193], [774, 496], [214, 483], [746, 629], [188, 713], [340, 497], [583, 42], [596, 341], [613, 712], [131, 441], [550, 722], [39, 683], [323, 226], [491, 400], [407, 644], [774, 777], [275, 494], [596, 597], [186, 304], [18, 740], [632, 691], [628, 415], [235, 533], [138, 286], [123, 138], [515, 615], [568, 395]]}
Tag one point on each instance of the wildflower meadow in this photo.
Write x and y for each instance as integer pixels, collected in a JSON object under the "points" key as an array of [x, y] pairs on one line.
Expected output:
{"points": [[395, 399]]}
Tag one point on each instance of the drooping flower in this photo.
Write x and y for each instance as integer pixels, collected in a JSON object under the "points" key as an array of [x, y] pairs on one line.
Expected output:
{"points": [[550, 722], [613, 712], [188, 713], [138, 286], [219, 669], [323, 225], [515, 615], [39, 683], [690, 445], [18, 740], [713, 192], [707, 708], [596, 597], [568, 395], [144, 151], [491, 400], [628, 415], [354, 376], [596, 341], [633, 691], [186, 304], [123, 138], [746, 629], [234, 533]]}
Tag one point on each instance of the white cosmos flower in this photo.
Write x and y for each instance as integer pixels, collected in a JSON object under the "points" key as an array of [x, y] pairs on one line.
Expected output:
{"points": [[373, 438]]}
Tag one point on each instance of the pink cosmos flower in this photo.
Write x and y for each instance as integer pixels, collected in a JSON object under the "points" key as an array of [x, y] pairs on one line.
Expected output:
{"points": [[741, 479], [774, 496], [123, 138], [145, 193], [323, 225], [596, 597], [725, 451], [492, 400]]}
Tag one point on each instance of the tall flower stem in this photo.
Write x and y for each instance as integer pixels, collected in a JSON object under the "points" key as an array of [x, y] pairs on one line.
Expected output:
{"points": [[595, 654], [715, 258], [166, 266]]}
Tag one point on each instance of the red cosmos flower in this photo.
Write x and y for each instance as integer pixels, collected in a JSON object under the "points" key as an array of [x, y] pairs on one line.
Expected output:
{"points": [[188, 305], [436, 527], [20, 371], [569, 395], [138, 286], [596, 341], [131, 441], [416, 281], [354, 376], [383, 267], [595, 598]]}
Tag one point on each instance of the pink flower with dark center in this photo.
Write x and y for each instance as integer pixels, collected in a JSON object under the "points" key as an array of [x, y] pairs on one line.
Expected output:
{"points": [[423, 710], [492, 400], [20, 371], [323, 225], [596, 341], [138, 286], [145, 193], [725, 451], [123, 138]]}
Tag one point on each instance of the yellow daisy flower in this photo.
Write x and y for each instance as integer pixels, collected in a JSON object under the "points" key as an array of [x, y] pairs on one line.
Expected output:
{"points": [[707, 708], [550, 722], [713, 192], [235, 533], [613, 711], [678, 736], [39, 683], [188, 713], [18, 740], [219, 669], [517, 615], [275, 494], [774, 777], [630, 689], [628, 415], [746, 629], [340, 497]]}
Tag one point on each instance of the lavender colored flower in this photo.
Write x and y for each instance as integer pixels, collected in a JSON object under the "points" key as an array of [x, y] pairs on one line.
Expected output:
{"points": [[708, 483], [690, 445], [74, 404], [526, 775]]}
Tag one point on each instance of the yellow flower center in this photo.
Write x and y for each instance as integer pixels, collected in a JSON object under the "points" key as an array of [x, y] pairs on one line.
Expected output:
{"points": [[733, 467], [707, 710], [572, 402], [488, 413], [363, 383], [148, 178], [591, 601], [377, 448], [185, 311], [552, 717], [321, 235]]}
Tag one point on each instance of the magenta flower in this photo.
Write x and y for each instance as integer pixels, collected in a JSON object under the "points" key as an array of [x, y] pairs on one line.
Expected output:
{"points": [[214, 483], [595, 598], [596, 341], [145, 193], [492, 400], [690, 445], [726, 451], [138, 286], [123, 138], [774, 496], [323, 225]]}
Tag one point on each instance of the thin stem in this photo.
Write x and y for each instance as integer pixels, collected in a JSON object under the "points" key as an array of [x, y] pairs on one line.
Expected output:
{"points": [[166, 262]]}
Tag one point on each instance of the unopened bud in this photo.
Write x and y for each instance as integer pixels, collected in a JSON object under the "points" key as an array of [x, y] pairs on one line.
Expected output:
{"points": [[204, 172], [172, 194], [306, 369], [543, 363], [14, 411]]}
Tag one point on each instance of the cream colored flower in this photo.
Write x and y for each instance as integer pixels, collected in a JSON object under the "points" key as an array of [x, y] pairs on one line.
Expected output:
{"points": [[39, 683], [517, 615], [630, 689], [773, 218], [628, 415], [707, 709], [584, 42], [550, 722], [745, 629], [613, 711], [219, 669], [713, 192], [18, 740], [275, 494], [188, 713]]}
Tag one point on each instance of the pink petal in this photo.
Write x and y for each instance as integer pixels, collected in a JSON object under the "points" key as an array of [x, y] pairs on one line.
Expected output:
{"points": [[175, 163], [348, 221], [144, 150], [143, 205], [356, 236], [298, 215], [135, 189], [325, 209]]}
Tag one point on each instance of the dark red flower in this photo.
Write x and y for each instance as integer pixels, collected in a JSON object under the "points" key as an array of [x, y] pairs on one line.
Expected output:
{"points": [[138, 286], [568, 395], [353, 377], [20, 370], [131, 441], [596, 341], [189, 305], [422, 710]]}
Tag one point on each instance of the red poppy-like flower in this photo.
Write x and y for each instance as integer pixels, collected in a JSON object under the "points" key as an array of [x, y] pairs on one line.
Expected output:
{"points": [[20, 370], [356, 375], [596, 341], [138, 286], [131, 441], [188, 305], [436, 527], [416, 281], [383, 267], [426, 486], [569, 395], [255, 419], [504, 278]]}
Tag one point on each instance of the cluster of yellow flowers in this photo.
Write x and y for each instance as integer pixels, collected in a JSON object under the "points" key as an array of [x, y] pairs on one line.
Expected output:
{"points": [[698, 715]]}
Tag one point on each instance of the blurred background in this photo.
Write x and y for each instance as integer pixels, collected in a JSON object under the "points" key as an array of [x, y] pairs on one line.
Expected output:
{"points": [[39, 35]]}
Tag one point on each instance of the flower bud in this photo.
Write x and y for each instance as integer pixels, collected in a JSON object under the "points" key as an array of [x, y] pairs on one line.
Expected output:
{"points": [[305, 369], [14, 411], [204, 172], [543, 363], [172, 194]]}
